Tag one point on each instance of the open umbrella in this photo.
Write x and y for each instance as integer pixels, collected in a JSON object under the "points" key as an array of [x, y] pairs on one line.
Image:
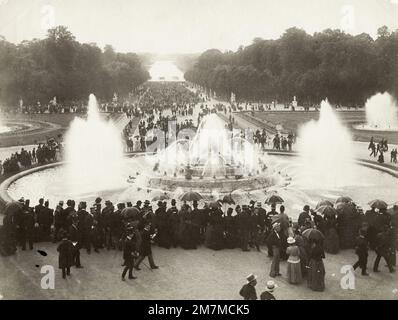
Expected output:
{"points": [[378, 204], [274, 199], [342, 206], [228, 199], [191, 196], [160, 197], [327, 211], [343, 199], [131, 213], [313, 234], [324, 203]]}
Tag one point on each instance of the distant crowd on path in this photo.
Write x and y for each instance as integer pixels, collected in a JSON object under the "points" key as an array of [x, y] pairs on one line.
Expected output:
{"points": [[378, 150], [48, 152], [301, 244], [160, 104]]}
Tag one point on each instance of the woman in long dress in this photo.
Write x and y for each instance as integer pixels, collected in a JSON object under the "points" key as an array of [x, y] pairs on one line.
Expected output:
{"points": [[331, 236], [187, 239], [316, 274], [215, 230], [302, 244], [294, 275]]}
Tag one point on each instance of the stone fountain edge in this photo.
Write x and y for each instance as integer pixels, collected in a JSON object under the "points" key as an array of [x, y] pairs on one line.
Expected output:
{"points": [[5, 197]]}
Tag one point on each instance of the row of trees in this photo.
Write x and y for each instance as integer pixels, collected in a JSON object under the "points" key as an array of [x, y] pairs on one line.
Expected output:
{"points": [[347, 69], [59, 66]]}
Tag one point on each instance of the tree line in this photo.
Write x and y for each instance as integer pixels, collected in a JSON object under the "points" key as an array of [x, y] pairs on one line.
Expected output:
{"points": [[59, 66], [344, 68]]}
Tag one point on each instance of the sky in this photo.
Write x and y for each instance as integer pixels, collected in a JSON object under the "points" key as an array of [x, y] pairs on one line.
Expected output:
{"points": [[189, 26]]}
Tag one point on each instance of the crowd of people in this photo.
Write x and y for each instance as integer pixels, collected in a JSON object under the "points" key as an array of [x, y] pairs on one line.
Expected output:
{"points": [[24, 159], [159, 105], [133, 229], [378, 150]]}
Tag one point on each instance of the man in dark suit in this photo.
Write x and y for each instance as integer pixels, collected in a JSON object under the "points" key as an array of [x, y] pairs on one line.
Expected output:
{"points": [[274, 240], [361, 249], [304, 216], [371, 219], [41, 217], [46, 221], [29, 222], [145, 249], [129, 253], [383, 250], [243, 224], [65, 258], [116, 226], [248, 291], [173, 223], [74, 235]]}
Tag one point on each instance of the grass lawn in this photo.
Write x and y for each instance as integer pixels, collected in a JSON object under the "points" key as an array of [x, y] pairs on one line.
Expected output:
{"points": [[293, 121], [51, 126]]}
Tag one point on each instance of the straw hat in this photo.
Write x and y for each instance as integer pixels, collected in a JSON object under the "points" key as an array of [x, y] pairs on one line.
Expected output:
{"points": [[276, 225], [291, 240], [270, 286]]}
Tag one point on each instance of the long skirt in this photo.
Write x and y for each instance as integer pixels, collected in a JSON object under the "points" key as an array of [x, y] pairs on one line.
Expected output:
{"points": [[214, 238], [275, 262], [332, 241], [316, 275], [294, 275], [303, 261]]}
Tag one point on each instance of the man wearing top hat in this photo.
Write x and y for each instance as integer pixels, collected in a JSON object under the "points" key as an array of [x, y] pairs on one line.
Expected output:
{"points": [[138, 205], [130, 253], [105, 225], [81, 226], [117, 226], [243, 224], [248, 291], [196, 222], [173, 222], [145, 249], [75, 237]]}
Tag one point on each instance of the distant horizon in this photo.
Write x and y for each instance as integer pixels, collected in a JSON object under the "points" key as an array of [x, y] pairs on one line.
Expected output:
{"points": [[190, 26], [164, 55]]}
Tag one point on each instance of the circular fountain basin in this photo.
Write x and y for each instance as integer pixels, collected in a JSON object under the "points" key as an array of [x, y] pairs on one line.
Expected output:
{"points": [[369, 184], [367, 127]]}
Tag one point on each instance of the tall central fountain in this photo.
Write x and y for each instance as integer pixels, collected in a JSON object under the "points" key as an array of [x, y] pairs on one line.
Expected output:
{"points": [[214, 158], [325, 151], [94, 153]]}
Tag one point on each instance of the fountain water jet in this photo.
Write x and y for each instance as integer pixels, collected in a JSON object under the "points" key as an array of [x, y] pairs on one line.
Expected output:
{"points": [[381, 112], [94, 153], [325, 151]]}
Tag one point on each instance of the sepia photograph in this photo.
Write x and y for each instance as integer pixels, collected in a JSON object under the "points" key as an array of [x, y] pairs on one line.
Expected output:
{"points": [[198, 150]]}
